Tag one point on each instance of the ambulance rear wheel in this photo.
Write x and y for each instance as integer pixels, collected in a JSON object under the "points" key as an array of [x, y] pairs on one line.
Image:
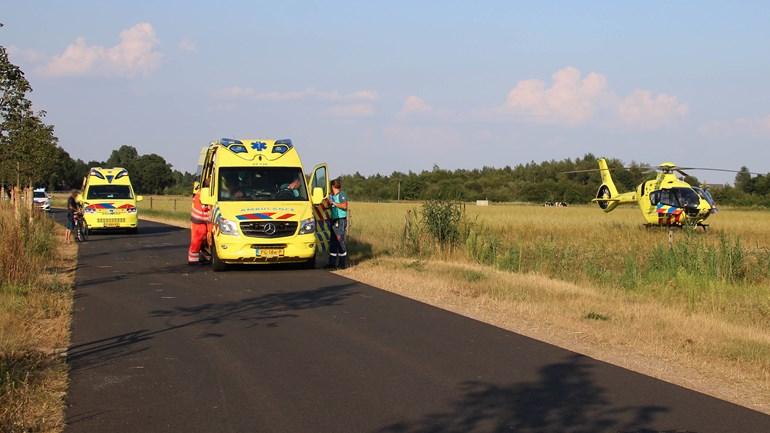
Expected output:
{"points": [[216, 264]]}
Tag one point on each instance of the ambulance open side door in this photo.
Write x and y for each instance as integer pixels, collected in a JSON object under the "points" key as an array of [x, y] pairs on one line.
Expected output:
{"points": [[319, 193]]}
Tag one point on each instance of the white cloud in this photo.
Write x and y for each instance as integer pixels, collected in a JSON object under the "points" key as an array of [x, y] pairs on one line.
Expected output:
{"points": [[645, 109], [236, 92], [135, 54], [350, 110], [752, 126], [415, 104], [187, 45], [572, 99]]}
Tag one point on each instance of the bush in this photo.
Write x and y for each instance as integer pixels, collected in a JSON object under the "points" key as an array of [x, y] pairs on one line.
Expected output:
{"points": [[442, 220]]}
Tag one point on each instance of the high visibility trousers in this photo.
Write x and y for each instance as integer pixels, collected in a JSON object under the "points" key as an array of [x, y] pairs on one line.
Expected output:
{"points": [[338, 251], [197, 237]]}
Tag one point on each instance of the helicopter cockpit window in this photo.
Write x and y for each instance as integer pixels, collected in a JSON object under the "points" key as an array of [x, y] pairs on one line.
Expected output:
{"points": [[654, 196], [706, 195], [677, 197], [687, 197]]}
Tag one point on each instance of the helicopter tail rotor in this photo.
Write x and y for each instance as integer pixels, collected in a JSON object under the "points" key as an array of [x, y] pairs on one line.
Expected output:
{"points": [[606, 196]]}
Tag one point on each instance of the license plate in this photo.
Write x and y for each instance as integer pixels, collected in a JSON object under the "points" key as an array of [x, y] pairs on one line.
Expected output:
{"points": [[111, 224], [269, 252]]}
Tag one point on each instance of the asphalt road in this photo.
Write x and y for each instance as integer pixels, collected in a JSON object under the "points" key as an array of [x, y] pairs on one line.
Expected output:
{"points": [[158, 346]]}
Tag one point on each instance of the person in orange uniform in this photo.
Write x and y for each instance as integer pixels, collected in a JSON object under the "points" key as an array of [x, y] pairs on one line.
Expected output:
{"points": [[199, 221]]}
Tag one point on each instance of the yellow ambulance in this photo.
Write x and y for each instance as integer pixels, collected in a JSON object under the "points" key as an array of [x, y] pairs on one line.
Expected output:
{"points": [[108, 200], [263, 207]]}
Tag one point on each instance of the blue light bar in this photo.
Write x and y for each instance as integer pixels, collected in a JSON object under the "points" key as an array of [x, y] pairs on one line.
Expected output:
{"points": [[229, 141], [282, 146], [237, 148]]}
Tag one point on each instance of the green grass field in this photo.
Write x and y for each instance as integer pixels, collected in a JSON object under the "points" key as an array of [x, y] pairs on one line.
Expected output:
{"points": [[726, 270]]}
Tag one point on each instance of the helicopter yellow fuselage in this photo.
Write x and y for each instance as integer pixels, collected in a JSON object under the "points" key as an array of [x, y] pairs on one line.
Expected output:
{"points": [[665, 200]]}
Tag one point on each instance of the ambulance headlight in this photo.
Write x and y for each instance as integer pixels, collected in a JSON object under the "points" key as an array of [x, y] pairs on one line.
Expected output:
{"points": [[307, 226], [89, 210], [227, 227], [131, 210]]}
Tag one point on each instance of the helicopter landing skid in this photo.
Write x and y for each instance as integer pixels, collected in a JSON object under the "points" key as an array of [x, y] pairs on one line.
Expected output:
{"points": [[705, 227]]}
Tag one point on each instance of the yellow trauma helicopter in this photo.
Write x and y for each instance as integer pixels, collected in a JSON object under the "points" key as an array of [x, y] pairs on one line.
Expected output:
{"points": [[666, 200]]}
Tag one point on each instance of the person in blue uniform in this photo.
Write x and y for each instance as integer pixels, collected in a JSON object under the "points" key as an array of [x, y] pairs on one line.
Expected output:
{"points": [[338, 253]]}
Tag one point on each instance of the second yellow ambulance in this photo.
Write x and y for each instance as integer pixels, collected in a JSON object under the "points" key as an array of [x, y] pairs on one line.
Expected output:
{"points": [[108, 200]]}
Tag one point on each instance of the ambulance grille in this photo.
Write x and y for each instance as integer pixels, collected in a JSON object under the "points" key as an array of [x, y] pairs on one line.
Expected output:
{"points": [[269, 229], [110, 220]]}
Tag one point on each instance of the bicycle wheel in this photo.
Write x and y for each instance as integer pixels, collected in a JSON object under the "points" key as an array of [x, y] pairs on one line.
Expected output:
{"points": [[79, 236]]}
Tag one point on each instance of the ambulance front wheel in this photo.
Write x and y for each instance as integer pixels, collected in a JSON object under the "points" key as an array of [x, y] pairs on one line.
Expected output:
{"points": [[217, 265], [310, 264]]}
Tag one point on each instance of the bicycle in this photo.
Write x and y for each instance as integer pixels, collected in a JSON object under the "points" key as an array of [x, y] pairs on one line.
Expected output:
{"points": [[81, 228]]}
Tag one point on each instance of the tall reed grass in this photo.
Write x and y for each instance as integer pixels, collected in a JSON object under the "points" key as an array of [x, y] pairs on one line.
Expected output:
{"points": [[34, 319]]}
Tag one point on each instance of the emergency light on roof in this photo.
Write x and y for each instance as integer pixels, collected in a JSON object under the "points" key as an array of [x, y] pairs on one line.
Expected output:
{"points": [[229, 141], [237, 148], [282, 146], [122, 173], [95, 172]]}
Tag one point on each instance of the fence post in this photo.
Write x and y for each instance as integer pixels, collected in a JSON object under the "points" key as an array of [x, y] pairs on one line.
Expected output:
{"points": [[174, 205], [150, 202], [30, 202]]}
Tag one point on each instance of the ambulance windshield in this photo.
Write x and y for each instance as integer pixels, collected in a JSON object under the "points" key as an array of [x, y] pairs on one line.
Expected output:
{"points": [[116, 192], [261, 184]]}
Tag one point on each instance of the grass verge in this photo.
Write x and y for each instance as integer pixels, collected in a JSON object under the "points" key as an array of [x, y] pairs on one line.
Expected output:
{"points": [[36, 280]]}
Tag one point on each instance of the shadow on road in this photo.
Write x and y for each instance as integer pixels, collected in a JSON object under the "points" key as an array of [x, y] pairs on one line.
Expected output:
{"points": [[268, 309], [563, 399], [144, 232]]}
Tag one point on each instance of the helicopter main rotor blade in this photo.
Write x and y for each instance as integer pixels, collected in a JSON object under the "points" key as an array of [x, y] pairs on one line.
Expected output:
{"points": [[590, 170], [724, 170]]}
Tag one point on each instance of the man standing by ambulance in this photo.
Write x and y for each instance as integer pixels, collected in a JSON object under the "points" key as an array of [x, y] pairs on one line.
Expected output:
{"points": [[338, 253], [199, 221]]}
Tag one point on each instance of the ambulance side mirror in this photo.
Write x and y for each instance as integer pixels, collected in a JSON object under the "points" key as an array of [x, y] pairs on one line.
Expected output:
{"points": [[206, 197], [318, 195], [139, 198]]}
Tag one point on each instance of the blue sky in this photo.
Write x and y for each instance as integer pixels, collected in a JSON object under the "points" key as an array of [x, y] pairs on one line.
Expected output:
{"points": [[384, 86]]}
